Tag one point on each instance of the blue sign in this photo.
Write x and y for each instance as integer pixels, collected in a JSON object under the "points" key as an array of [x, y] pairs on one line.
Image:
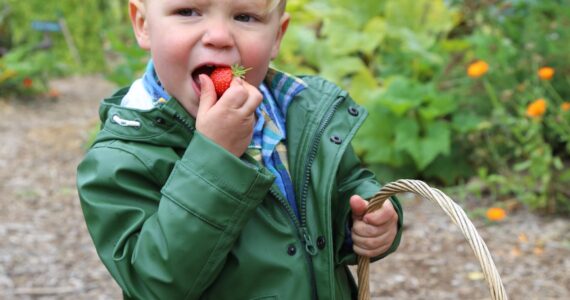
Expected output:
{"points": [[45, 26]]}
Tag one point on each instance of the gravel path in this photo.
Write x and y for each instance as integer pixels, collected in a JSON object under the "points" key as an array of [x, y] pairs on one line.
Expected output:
{"points": [[46, 252]]}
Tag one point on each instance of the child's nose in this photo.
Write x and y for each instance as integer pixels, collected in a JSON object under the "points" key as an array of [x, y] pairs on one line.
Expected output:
{"points": [[218, 35]]}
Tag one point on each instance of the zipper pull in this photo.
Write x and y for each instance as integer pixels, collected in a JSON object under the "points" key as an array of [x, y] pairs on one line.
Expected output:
{"points": [[309, 245]]}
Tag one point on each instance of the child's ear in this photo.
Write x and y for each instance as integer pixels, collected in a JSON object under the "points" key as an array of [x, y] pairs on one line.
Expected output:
{"points": [[138, 20], [283, 24]]}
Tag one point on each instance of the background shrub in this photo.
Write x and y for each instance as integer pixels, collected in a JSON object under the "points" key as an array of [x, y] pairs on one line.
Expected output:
{"points": [[456, 89]]}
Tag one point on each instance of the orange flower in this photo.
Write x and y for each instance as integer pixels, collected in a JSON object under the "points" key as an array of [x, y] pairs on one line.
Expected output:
{"points": [[477, 69], [27, 82], [565, 106], [537, 108], [496, 214], [546, 73], [53, 93]]}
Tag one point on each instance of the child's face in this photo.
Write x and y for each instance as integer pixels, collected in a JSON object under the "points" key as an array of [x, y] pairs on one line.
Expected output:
{"points": [[183, 36]]}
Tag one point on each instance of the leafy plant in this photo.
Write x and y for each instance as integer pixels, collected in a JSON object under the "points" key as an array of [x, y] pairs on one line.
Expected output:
{"points": [[24, 71], [525, 141], [125, 60], [387, 56], [78, 17], [454, 88], [449, 86]]}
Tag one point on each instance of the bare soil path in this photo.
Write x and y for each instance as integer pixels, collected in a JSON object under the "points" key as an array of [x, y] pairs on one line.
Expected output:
{"points": [[46, 252]]}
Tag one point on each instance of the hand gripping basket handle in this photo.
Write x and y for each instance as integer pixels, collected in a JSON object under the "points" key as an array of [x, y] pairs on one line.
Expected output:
{"points": [[458, 217]]}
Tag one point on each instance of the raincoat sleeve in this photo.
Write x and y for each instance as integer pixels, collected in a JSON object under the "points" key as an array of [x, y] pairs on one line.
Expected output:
{"points": [[167, 241], [353, 179]]}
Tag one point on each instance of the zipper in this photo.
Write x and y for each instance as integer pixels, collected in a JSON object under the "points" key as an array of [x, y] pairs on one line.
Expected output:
{"points": [[309, 245], [303, 235], [302, 231], [184, 122], [180, 119], [301, 225], [312, 155]]}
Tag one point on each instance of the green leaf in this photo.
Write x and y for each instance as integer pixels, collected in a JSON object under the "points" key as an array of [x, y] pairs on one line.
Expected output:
{"points": [[374, 33], [364, 88], [417, 44], [407, 135], [292, 50], [339, 67], [465, 122], [422, 16], [402, 95], [449, 168], [359, 11], [454, 45], [423, 148], [437, 106], [565, 176], [522, 166], [343, 40], [375, 140]]}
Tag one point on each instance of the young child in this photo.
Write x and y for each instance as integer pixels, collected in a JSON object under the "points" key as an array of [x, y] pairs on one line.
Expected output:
{"points": [[255, 195]]}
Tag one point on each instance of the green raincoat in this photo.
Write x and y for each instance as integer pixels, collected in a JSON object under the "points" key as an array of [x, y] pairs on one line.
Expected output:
{"points": [[175, 216]]}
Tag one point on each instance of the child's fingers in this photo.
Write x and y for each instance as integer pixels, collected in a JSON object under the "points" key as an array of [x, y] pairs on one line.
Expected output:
{"points": [[385, 215], [369, 252], [374, 244], [235, 96], [358, 206], [371, 243], [254, 99], [363, 229], [207, 94]]}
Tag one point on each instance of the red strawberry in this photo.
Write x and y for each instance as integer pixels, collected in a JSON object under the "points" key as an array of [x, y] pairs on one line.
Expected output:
{"points": [[222, 77]]}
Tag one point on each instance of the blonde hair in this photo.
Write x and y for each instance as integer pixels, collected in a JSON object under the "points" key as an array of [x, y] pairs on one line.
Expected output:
{"points": [[273, 4]]}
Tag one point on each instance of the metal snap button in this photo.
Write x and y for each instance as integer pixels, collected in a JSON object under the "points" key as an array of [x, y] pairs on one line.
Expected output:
{"points": [[353, 111], [321, 242], [336, 139], [160, 121], [291, 250]]}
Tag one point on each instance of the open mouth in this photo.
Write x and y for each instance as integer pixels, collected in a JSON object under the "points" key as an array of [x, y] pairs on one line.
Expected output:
{"points": [[205, 69]]}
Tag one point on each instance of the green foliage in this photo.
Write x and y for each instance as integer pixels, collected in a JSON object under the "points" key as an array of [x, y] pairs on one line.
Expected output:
{"points": [[96, 37], [525, 151], [31, 56], [22, 71], [385, 55], [125, 60], [78, 15], [404, 60], [410, 125]]}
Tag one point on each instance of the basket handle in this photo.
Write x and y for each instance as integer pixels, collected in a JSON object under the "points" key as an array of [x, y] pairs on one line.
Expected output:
{"points": [[457, 215]]}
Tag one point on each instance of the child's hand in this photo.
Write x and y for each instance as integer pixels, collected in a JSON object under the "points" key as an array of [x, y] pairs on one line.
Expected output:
{"points": [[373, 233], [228, 121]]}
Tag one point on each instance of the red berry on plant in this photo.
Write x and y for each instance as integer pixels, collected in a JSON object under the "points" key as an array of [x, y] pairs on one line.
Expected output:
{"points": [[222, 77], [27, 82]]}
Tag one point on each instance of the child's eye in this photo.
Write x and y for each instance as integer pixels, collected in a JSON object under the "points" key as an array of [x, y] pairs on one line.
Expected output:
{"points": [[244, 18], [186, 12]]}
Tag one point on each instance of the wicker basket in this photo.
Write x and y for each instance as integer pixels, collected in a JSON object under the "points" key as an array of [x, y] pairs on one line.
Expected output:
{"points": [[458, 217]]}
